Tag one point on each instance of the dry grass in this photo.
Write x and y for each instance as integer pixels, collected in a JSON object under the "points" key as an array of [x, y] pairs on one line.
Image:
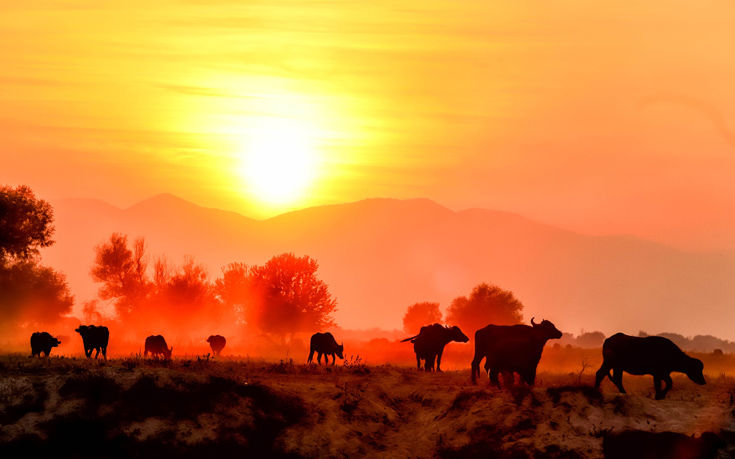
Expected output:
{"points": [[202, 407]]}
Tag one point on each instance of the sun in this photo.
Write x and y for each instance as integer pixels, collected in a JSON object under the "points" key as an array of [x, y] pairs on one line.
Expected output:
{"points": [[279, 160]]}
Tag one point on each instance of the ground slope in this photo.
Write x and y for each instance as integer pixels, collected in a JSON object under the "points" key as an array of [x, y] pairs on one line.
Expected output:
{"points": [[230, 408]]}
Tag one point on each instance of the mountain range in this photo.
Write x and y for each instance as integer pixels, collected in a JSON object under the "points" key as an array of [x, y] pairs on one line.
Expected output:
{"points": [[381, 255]]}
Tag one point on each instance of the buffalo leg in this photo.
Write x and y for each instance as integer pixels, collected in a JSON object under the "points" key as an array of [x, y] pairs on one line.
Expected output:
{"points": [[494, 378], [319, 358], [97, 354], [657, 386], [418, 362], [530, 376], [669, 384], [104, 352], [600, 375], [334, 358], [617, 379], [311, 356], [509, 378], [476, 368], [430, 362], [439, 360]]}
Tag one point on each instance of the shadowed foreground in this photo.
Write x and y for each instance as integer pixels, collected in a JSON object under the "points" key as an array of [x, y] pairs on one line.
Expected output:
{"points": [[131, 407]]}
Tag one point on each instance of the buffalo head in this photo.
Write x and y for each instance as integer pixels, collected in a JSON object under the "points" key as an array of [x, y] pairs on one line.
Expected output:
{"points": [[55, 342], [340, 351], [82, 329], [455, 334], [167, 352], [546, 329], [694, 370]]}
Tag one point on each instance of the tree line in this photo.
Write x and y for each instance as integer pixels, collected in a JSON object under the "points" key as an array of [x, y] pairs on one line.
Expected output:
{"points": [[281, 297]]}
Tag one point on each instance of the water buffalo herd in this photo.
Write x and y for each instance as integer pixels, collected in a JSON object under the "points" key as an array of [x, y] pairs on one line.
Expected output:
{"points": [[506, 349], [96, 338], [510, 349]]}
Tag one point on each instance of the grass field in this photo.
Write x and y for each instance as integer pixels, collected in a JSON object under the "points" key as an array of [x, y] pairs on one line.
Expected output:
{"points": [[229, 407]]}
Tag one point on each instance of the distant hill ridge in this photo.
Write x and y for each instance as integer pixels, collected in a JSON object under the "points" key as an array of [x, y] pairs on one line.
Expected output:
{"points": [[380, 255]]}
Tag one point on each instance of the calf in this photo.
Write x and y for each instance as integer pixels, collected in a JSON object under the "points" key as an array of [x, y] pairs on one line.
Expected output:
{"points": [[42, 342], [650, 355], [94, 338], [324, 343]]}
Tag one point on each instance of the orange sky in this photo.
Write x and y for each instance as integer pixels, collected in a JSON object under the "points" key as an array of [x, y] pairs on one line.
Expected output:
{"points": [[603, 117]]}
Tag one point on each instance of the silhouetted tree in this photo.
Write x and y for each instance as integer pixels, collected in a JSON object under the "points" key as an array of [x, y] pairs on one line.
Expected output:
{"points": [[25, 224], [122, 272], [29, 293], [182, 296], [420, 314], [590, 339], [288, 297], [486, 304], [91, 313], [234, 289], [678, 339]]}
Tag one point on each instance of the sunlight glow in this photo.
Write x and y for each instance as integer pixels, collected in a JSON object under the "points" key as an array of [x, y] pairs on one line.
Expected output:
{"points": [[279, 160]]}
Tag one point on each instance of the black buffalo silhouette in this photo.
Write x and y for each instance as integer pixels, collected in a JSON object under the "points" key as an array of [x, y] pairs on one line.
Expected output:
{"points": [[639, 444], [94, 338], [42, 342], [650, 355], [429, 344], [156, 345], [512, 348], [324, 343], [217, 343]]}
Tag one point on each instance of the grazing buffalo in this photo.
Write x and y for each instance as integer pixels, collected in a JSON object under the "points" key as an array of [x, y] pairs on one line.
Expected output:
{"points": [[639, 444], [42, 342], [217, 343], [94, 338], [324, 343], [429, 344], [156, 345], [511, 348], [650, 355]]}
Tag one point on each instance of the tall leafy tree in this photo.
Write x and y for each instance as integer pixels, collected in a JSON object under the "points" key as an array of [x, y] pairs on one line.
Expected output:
{"points": [[288, 297], [486, 304], [29, 292], [26, 224], [420, 314], [121, 271]]}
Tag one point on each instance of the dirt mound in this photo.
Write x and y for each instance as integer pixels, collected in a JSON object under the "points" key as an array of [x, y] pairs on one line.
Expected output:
{"points": [[95, 415], [226, 408]]}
